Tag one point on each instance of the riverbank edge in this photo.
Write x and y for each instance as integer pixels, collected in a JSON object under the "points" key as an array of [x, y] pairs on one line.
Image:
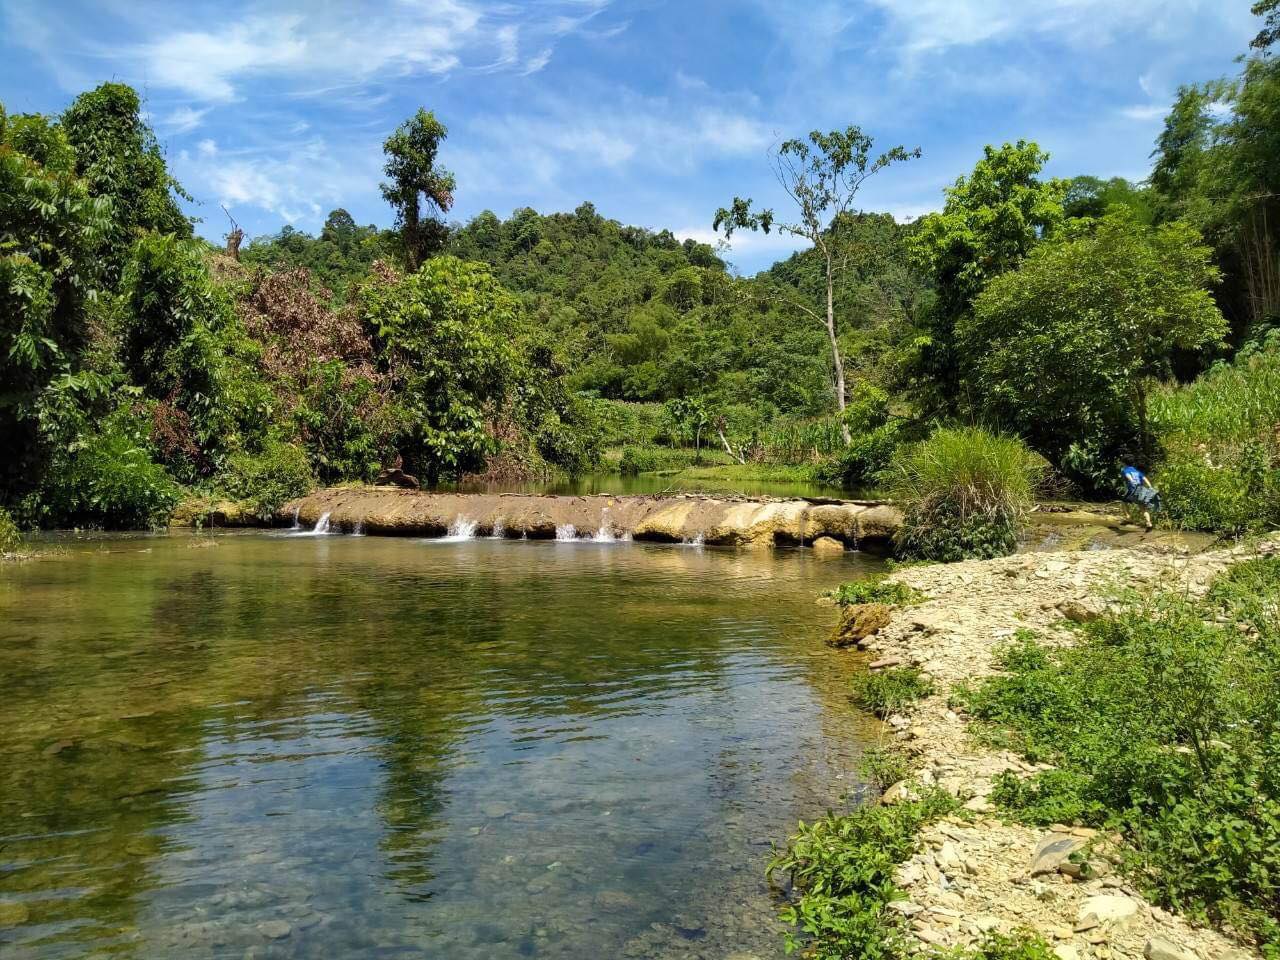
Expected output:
{"points": [[972, 873]]}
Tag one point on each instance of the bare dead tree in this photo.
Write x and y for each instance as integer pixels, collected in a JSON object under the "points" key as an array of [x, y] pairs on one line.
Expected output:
{"points": [[234, 238]]}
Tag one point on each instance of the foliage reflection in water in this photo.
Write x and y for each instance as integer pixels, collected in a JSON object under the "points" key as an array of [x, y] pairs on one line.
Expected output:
{"points": [[336, 746]]}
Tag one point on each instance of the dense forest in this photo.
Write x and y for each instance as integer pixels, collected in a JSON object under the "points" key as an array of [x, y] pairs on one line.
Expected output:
{"points": [[1100, 321]]}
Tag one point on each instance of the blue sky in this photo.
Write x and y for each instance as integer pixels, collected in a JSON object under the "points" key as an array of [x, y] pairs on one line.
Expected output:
{"points": [[658, 111]]}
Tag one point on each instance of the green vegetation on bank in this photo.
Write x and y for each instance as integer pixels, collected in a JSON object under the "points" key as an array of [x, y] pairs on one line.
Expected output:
{"points": [[1161, 723]]}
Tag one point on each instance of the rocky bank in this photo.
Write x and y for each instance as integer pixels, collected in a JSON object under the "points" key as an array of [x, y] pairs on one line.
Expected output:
{"points": [[978, 875]]}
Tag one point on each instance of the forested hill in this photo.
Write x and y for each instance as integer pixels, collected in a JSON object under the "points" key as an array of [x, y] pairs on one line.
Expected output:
{"points": [[641, 315]]}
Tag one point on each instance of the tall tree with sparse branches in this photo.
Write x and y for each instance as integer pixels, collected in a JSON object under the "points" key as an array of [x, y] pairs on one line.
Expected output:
{"points": [[417, 178], [822, 175]]}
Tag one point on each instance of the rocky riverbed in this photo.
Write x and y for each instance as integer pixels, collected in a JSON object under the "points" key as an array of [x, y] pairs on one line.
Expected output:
{"points": [[979, 874]]}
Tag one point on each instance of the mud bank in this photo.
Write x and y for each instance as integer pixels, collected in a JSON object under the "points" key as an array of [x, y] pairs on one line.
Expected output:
{"points": [[391, 511]]}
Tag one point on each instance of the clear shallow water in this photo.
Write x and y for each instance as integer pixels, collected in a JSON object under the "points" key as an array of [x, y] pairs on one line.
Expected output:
{"points": [[275, 746]]}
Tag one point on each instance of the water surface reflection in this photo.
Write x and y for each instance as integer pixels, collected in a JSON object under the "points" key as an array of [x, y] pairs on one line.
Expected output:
{"points": [[269, 746]]}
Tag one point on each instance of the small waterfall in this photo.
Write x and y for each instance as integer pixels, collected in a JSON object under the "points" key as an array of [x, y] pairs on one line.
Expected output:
{"points": [[567, 532], [605, 533], [697, 541], [499, 529], [322, 525], [358, 529], [462, 528], [296, 524]]}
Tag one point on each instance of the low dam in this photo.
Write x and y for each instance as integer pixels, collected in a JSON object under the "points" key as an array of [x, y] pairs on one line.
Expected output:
{"points": [[391, 511]]}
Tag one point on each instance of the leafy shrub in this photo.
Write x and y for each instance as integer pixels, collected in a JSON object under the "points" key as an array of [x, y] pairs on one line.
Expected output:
{"points": [[964, 493], [866, 457], [1163, 723], [842, 867], [10, 536], [1022, 945], [876, 590], [887, 691], [110, 479], [347, 426], [266, 480]]}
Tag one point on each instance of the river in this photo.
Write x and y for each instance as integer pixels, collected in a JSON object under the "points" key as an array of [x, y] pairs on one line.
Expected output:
{"points": [[271, 745]]}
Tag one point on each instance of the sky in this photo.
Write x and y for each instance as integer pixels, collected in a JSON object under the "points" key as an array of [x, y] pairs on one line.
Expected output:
{"points": [[657, 111]]}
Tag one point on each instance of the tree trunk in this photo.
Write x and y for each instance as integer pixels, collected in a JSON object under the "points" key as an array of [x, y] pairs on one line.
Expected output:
{"points": [[727, 448], [835, 353], [412, 243]]}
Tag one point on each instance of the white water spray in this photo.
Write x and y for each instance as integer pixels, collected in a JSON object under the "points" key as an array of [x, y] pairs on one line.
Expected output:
{"points": [[499, 530], [296, 524], [605, 533], [566, 531], [462, 528], [358, 529]]}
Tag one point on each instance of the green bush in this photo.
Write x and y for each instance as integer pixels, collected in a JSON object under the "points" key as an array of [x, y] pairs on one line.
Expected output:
{"points": [[1163, 723], [964, 493], [876, 590], [266, 480], [110, 478], [10, 536], [858, 464], [842, 867], [887, 691]]}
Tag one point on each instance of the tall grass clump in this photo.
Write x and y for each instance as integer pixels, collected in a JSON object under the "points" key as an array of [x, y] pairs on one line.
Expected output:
{"points": [[964, 493], [1221, 438], [788, 440]]}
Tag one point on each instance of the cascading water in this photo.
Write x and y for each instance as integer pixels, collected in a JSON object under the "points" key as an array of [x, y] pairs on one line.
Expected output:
{"points": [[499, 529], [566, 531], [321, 529], [358, 529], [296, 524], [605, 533], [462, 528]]}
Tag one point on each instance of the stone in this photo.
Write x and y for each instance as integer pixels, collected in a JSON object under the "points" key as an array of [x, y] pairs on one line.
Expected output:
{"points": [[859, 621], [275, 929], [1158, 948], [1053, 850], [828, 545], [901, 792], [905, 907], [884, 663], [1106, 910], [396, 477], [1080, 611], [1065, 951]]}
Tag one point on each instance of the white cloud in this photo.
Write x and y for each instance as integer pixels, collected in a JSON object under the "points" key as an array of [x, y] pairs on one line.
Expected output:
{"points": [[182, 120], [932, 26], [335, 46], [1145, 112]]}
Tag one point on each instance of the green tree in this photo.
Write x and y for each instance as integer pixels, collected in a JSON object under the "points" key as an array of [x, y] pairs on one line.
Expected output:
{"points": [[1270, 31], [445, 337], [1065, 348], [822, 178], [118, 157], [416, 178], [991, 220], [50, 228]]}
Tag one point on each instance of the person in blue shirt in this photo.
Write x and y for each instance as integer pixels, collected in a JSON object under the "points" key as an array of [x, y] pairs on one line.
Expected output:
{"points": [[1139, 492]]}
